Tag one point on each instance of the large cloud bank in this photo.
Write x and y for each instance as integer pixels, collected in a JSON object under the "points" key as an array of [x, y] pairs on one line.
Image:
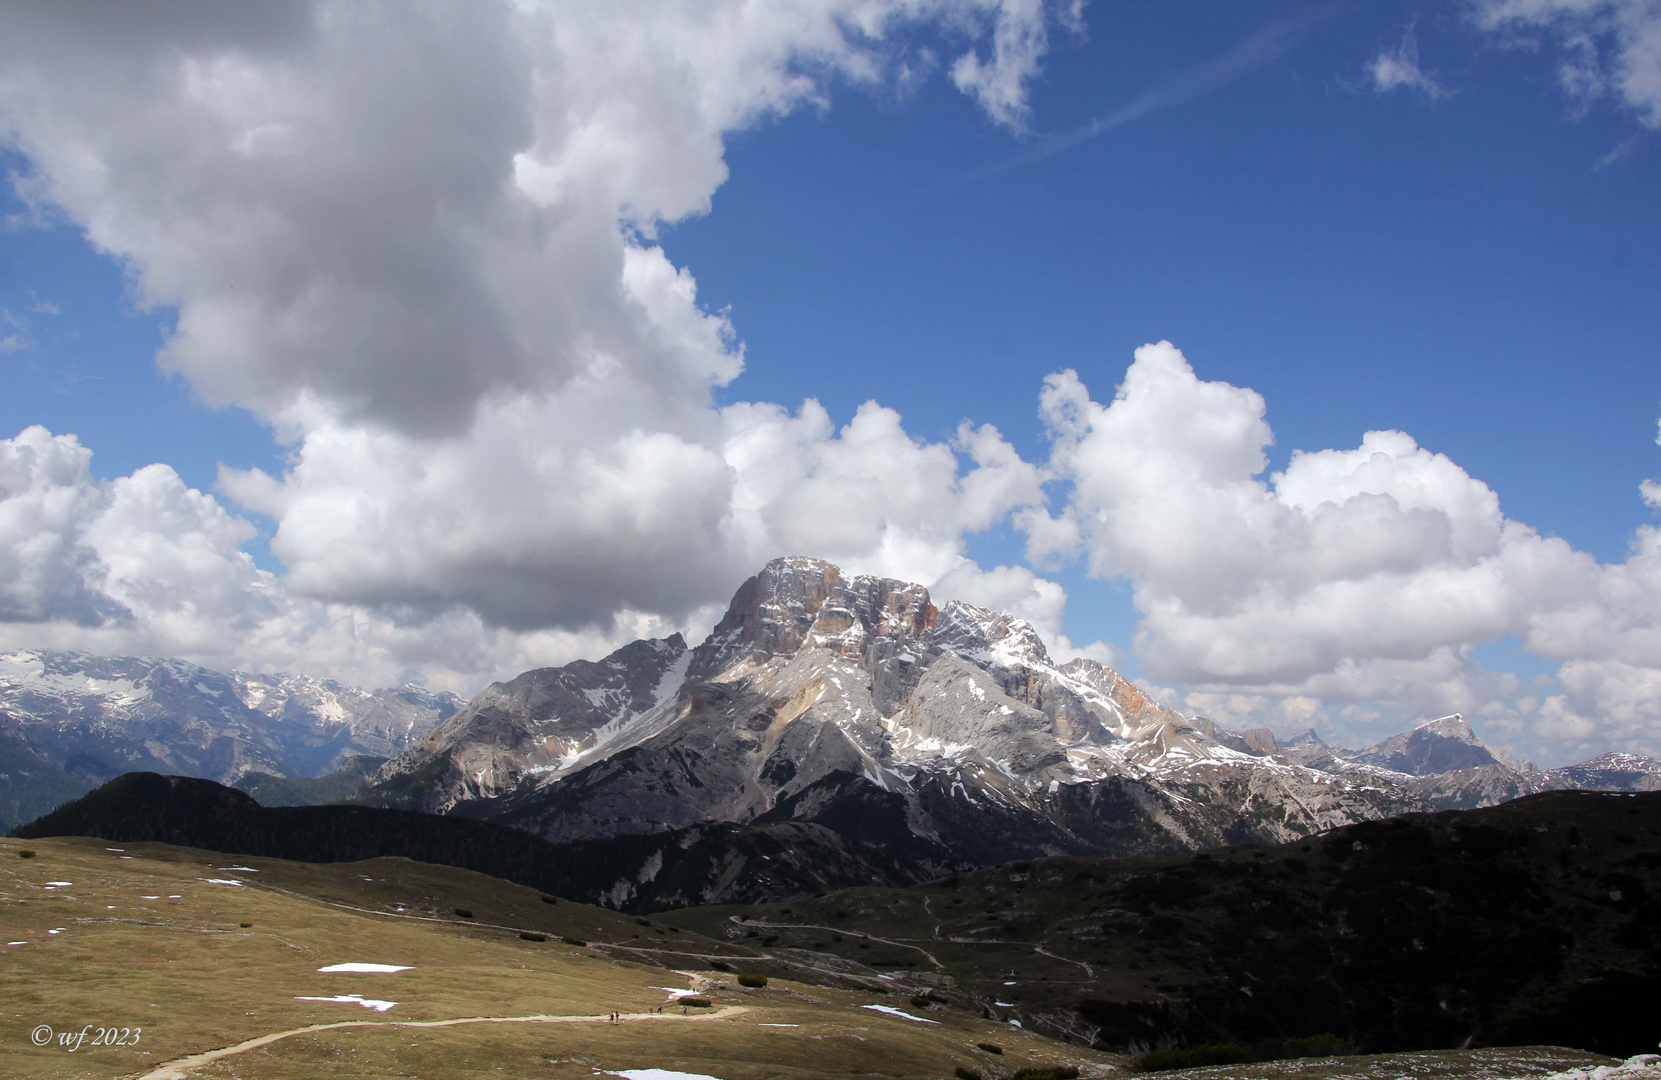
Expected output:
{"points": [[418, 241], [1358, 576]]}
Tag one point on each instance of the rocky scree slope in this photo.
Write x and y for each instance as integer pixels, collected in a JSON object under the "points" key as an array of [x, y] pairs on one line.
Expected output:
{"points": [[69, 721], [945, 734]]}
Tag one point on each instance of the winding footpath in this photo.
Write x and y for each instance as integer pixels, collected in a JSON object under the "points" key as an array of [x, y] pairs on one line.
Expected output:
{"points": [[741, 921], [179, 1068]]}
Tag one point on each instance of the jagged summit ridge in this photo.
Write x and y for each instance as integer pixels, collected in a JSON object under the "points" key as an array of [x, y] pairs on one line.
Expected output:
{"points": [[797, 601], [858, 672]]}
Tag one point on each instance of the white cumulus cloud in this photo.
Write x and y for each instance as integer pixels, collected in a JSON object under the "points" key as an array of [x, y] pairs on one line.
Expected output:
{"points": [[419, 241], [1354, 577]]}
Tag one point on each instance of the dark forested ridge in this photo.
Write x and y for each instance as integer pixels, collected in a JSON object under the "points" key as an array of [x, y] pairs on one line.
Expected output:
{"points": [[699, 865], [1534, 922]]}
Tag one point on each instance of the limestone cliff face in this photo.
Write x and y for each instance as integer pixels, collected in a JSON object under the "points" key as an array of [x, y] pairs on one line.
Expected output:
{"points": [[797, 603]]}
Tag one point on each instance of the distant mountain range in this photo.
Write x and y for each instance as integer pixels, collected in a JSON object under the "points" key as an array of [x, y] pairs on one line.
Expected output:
{"points": [[69, 721], [934, 736], [944, 734]]}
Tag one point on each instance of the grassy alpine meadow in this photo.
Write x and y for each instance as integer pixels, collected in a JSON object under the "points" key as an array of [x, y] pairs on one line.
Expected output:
{"points": [[145, 960]]}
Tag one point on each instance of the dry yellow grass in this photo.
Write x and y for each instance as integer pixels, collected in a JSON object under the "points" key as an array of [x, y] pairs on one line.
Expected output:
{"points": [[147, 940]]}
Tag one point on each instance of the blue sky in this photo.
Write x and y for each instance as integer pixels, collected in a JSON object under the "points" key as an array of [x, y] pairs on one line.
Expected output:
{"points": [[1472, 260], [1460, 269]]}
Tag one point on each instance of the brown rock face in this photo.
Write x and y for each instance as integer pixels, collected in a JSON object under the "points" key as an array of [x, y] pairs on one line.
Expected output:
{"points": [[796, 601], [1137, 706]]}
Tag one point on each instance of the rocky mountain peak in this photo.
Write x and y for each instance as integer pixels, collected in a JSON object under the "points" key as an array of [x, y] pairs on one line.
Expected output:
{"points": [[1134, 706], [1449, 727], [796, 601], [1442, 745], [987, 637]]}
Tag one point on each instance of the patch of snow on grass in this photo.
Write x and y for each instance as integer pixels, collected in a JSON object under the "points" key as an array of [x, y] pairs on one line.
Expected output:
{"points": [[672, 992], [58, 884], [353, 999], [662, 1074], [892, 1011], [220, 881], [1642, 1067], [365, 968], [244, 869]]}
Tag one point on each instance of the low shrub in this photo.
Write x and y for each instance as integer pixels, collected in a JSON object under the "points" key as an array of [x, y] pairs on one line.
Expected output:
{"points": [[1319, 1046], [577, 941], [720, 965], [921, 1002], [550, 899], [245, 925], [464, 913], [697, 1002], [754, 982], [528, 936], [991, 1048], [1047, 1072], [25, 854], [1195, 1057], [643, 922], [963, 1072]]}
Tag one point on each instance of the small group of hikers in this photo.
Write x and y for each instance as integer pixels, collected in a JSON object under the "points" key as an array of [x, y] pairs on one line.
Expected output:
{"points": [[615, 1016]]}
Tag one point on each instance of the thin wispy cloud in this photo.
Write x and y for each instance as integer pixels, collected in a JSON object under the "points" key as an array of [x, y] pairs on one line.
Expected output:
{"points": [[1399, 69], [1251, 53], [1617, 154]]}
